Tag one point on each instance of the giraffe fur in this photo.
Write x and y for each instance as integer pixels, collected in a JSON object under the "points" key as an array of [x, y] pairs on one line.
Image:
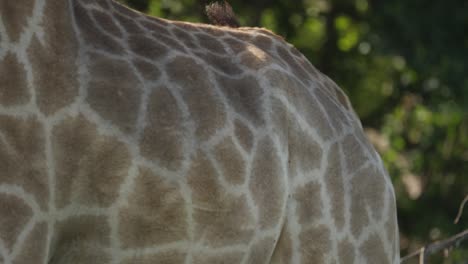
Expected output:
{"points": [[126, 138]]}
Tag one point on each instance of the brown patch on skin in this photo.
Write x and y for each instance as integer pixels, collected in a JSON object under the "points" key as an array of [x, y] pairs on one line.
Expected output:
{"points": [[129, 25], [283, 251], [158, 21], [122, 9], [15, 17], [107, 22], [300, 99], [156, 26], [361, 136], [188, 27], [147, 70], [266, 184], [232, 164], [315, 244], [336, 114], [13, 85], [255, 59], [55, 83], [261, 251], [92, 35], [212, 31], [89, 167], [147, 47], [263, 42], [155, 213], [54, 64], [226, 258], [244, 135], [170, 42], [80, 239], [210, 43], [373, 250], [346, 252], [14, 215], [335, 186], [114, 92], [308, 67], [294, 51], [33, 249], [163, 136], [221, 63], [305, 154], [309, 203], [104, 4], [301, 74], [267, 32], [342, 98], [236, 45], [221, 219], [171, 257], [242, 35], [328, 85], [353, 153], [367, 194], [206, 110], [185, 38], [22, 157], [245, 97]]}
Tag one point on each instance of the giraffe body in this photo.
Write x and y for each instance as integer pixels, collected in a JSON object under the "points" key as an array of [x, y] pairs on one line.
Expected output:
{"points": [[130, 139]]}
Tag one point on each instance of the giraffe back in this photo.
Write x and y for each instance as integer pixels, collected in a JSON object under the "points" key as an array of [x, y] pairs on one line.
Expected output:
{"points": [[131, 139]]}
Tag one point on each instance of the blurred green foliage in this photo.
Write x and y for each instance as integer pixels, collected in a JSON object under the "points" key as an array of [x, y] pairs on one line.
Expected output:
{"points": [[404, 65]]}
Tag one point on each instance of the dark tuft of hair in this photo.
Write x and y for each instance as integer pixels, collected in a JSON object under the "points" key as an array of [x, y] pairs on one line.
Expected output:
{"points": [[221, 14]]}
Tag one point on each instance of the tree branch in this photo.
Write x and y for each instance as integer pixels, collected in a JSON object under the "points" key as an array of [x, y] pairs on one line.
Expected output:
{"points": [[460, 211], [430, 249]]}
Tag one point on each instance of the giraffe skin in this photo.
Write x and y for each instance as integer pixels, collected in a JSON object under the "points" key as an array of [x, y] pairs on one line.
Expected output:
{"points": [[131, 139]]}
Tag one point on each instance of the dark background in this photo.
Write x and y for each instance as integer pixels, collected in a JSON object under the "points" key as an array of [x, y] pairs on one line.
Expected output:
{"points": [[404, 65]]}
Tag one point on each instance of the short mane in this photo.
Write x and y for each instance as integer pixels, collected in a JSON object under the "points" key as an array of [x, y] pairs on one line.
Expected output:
{"points": [[221, 14]]}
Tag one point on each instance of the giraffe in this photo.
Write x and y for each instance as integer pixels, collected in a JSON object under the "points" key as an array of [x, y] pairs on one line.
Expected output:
{"points": [[131, 139]]}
